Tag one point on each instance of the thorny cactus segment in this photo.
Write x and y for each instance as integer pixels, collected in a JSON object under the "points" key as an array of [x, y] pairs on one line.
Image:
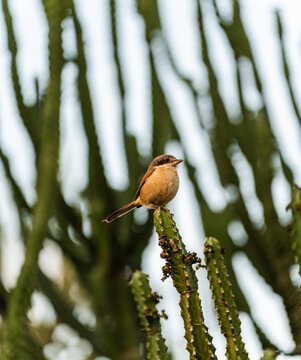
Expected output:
{"points": [[296, 226], [149, 317], [224, 300], [179, 267]]}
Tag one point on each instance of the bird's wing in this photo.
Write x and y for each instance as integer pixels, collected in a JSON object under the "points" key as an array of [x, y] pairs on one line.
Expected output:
{"points": [[145, 177]]}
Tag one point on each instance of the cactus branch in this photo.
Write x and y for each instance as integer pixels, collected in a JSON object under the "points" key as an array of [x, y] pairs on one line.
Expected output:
{"points": [[296, 229], [179, 267], [269, 355], [149, 316], [18, 343], [224, 300]]}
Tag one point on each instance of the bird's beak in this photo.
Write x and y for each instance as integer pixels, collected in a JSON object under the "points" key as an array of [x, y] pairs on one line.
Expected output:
{"points": [[177, 162]]}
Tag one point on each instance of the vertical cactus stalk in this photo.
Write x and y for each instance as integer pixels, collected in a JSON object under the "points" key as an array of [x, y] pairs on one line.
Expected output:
{"points": [[296, 226], [179, 267], [224, 300], [149, 316], [18, 342]]}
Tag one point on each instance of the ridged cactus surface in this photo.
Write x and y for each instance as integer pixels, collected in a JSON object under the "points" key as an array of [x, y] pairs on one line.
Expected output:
{"points": [[224, 300], [149, 316], [179, 267]]}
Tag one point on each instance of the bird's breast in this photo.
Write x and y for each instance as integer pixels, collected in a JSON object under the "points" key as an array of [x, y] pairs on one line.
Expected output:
{"points": [[160, 188]]}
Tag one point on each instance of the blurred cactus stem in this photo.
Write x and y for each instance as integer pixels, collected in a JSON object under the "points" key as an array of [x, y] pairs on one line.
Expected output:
{"points": [[269, 355], [179, 267], [296, 226], [224, 300], [149, 316]]}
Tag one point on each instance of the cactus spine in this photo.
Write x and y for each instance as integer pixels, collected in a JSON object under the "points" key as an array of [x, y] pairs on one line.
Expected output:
{"points": [[149, 316], [179, 267]]}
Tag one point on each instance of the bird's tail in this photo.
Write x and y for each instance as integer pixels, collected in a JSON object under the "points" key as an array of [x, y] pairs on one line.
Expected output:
{"points": [[120, 212]]}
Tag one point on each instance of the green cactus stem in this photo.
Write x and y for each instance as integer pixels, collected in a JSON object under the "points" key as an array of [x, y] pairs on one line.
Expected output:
{"points": [[179, 267], [296, 226], [224, 300], [149, 316], [269, 354]]}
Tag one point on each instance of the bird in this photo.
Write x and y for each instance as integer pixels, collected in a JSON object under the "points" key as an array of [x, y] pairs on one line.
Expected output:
{"points": [[158, 186]]}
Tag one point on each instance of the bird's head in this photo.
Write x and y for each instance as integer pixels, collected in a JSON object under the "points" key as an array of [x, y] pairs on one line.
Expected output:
{"points": [[164, 160]]}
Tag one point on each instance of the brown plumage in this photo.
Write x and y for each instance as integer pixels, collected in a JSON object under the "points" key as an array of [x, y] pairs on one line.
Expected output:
{"points": [[157, 188]]}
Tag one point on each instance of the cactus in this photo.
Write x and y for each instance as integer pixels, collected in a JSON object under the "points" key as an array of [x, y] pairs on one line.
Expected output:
{"points": [[17, 343], [179, 267], [101, 254], [224, 300], [296, 228], [149, 316], [269, 355]]}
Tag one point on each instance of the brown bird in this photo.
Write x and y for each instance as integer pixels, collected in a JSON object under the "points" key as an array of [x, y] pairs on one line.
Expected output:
{"points": [[157, 188]]}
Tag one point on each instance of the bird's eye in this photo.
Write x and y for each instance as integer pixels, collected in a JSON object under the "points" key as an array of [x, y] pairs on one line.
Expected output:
{"points": [[163, 161]]}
